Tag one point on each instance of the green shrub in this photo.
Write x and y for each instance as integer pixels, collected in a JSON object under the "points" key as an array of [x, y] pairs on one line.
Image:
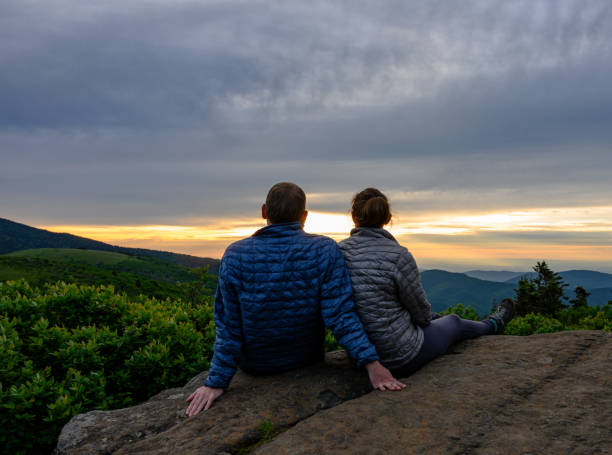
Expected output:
{"points": [[465, 312], [533, 323], [331, 344], [591, 318], [67, 349], [579, 318]]}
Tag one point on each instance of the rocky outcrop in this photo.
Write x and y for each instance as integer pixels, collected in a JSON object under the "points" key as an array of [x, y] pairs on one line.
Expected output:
{"points": [[494, 395], [239, 419]]}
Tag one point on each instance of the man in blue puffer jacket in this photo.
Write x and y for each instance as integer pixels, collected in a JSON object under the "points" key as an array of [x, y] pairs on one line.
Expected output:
{"points": [[277, 289]]}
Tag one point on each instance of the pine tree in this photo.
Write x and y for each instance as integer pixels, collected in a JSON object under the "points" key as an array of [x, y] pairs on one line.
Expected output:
{"points": [[542, 294], [581, 297]]}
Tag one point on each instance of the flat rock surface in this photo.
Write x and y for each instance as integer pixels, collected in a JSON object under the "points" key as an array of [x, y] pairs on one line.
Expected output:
{"points": [[497, 395], [494, 395]]}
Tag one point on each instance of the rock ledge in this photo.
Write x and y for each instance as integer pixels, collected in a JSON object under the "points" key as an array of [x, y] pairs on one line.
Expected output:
{"points": [[494, 395]]}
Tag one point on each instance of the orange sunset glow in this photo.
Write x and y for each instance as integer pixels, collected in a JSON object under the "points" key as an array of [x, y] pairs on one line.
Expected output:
{"points": [[489, 238]]}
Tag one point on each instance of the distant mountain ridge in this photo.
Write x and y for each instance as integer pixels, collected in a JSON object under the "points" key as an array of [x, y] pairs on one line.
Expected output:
{"points": [[588, 279], [500, 276], [443, 288], [446, 289], [17, 236]]}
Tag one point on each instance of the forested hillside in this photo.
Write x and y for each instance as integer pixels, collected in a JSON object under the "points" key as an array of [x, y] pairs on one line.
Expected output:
{"points": [[445, 289], [131, 275], [16, 236]]}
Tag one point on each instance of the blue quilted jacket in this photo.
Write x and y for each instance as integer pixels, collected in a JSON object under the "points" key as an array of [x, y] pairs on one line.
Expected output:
{"points": [[277, 289]]}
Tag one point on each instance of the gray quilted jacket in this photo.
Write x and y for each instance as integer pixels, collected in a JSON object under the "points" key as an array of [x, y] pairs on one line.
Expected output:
{"points": [[388, 294]]}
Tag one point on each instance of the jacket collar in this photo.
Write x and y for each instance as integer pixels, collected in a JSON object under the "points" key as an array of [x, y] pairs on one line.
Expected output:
{"points": [[279, 229], [371, 232]]}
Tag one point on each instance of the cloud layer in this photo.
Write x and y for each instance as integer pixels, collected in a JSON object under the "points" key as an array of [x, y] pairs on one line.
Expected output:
{"points": [[183, 112]]}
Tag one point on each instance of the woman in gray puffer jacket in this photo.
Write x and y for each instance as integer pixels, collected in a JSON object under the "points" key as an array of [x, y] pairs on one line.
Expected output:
{"points": [[390, 299]]}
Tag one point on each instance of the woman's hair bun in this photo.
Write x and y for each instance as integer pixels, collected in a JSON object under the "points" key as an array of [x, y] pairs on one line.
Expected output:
{"points": [[371, 208]]}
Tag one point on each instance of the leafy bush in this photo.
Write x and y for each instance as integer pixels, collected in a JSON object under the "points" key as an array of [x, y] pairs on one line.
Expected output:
{"points": [[591, 318], [331, 344], [67, 349], [465, 312], [533, 323], [579, 318]]}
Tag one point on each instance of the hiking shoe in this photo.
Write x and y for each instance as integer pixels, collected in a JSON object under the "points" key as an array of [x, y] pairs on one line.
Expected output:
{"points": [[503, 315]]}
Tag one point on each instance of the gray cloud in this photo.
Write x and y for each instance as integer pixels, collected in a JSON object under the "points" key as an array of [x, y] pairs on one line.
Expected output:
{"points": [[161, 192], [167, 112], [171, 64]]}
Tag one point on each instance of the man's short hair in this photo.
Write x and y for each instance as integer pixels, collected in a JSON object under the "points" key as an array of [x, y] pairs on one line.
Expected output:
{"points": [[285, 203]]}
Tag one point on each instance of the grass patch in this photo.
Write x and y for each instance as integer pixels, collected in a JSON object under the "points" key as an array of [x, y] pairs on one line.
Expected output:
{"points": [[90, 257], [266, 432]]}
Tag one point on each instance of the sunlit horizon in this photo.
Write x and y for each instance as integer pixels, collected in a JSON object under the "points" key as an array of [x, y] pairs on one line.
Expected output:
{"points": [[512, 239]]}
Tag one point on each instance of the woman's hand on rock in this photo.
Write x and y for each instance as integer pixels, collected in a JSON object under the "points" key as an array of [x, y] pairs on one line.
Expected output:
{"points": [[381, 378], [202, 398]]}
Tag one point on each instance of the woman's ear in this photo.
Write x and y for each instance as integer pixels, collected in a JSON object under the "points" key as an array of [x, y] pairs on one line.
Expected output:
{"points": [[354, 219]]}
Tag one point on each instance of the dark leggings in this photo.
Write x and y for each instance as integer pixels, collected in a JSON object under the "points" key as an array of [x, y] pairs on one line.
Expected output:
{"points": [[439, 336]]}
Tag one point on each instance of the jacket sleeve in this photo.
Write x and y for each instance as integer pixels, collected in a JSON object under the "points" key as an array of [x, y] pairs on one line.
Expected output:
{"points": [[338, 310], [410, 290], [228, 328]]}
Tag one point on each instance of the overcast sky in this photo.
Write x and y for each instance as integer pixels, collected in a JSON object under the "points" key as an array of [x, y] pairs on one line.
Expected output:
{"points": [[184, 113]]}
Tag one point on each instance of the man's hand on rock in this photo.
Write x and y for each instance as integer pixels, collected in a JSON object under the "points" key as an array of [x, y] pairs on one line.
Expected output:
{"points": [[381, 378], [202, 398]]}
